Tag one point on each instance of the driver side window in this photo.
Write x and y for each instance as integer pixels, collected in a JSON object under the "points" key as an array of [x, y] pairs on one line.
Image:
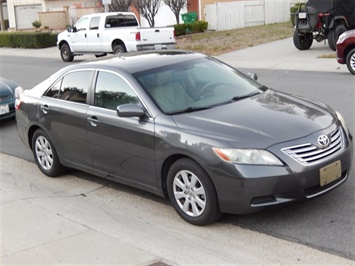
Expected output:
{"points": [[82, 24], [112, 90]]}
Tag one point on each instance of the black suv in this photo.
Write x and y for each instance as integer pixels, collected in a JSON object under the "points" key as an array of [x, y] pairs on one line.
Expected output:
{"points": [[321, 20]]}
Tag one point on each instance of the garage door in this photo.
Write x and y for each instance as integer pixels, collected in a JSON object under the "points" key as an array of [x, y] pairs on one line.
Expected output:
{"points": [[25, 15]]}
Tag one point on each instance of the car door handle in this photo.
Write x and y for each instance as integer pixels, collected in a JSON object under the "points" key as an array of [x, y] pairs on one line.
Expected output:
{"points": [[98, 35], [45, 109], [85, 35], [93, 121]]}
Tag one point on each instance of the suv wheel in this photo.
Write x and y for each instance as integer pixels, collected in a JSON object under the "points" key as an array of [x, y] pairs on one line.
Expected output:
{"points": [[333, 35], [350, 61], [302, 41]]}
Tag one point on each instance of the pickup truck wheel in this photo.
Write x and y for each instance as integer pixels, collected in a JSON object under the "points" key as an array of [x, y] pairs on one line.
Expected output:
{"points": [[302, 41], [66, 54], [119, 48], [350, 61]]}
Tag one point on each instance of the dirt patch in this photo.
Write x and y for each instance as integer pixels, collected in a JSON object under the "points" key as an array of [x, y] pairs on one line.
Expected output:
{"points": [[216, 43]]}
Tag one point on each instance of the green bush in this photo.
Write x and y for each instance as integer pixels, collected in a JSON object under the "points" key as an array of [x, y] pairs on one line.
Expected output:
{"points": [[37, 24], [27, 39], [194, 27]]}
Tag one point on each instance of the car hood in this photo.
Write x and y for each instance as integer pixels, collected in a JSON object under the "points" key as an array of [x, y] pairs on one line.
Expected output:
{"points": [[5, 90], [260, 121]]}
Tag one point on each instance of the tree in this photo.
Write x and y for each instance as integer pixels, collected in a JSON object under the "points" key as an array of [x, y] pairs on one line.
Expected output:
{"points": [[148, 9], [176, 6], [120, 5]]}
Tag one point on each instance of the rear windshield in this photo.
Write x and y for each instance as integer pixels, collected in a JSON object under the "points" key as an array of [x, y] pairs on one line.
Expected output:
{"points": [[121, 21]]}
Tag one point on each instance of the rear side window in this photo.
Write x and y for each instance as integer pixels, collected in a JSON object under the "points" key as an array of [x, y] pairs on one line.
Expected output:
{"points": [[72, 87], [112, 91], [94, 23], [121, 21]]}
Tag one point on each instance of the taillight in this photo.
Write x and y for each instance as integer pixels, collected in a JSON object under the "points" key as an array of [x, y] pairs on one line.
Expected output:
{"points": [[138, 36]]}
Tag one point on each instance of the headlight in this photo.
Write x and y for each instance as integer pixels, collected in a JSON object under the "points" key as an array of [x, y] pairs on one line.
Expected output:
{"points": [[247, 156], [342, 120]]}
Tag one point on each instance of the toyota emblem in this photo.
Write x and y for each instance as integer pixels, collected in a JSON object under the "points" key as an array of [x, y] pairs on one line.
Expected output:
{"points": [[323, 140]]}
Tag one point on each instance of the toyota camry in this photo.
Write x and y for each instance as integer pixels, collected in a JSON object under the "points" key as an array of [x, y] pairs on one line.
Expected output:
{"points": [[188, 127]]}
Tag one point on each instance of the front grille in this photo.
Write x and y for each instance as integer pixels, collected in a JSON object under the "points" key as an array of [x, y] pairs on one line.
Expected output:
{"points": [[308, 154]]}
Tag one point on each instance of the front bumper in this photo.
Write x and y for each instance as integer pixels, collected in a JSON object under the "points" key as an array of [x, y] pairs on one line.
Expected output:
{"points": [[250, 188]]}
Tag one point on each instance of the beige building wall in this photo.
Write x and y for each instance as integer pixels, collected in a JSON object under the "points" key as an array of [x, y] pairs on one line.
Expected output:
{"points": [[53, 20]]}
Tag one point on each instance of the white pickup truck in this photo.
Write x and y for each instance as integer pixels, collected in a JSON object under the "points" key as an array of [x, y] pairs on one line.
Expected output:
{"points": [[117, 32]]}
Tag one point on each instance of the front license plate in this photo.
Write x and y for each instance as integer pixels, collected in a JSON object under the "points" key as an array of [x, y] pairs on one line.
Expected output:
{"points": [[302, 15], [4, 109], [330, 173]]}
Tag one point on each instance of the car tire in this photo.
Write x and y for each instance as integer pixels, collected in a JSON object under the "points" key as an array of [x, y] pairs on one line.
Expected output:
{"points": [[118, 49], [192, 193], [45, 154], [350, 61], [65, 53], [333, 36], [302, 42]]}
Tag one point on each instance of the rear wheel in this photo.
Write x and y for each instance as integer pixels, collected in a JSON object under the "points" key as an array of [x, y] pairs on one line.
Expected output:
{"points": [[302, 41], [118, 49], [350, 61], [333, 35], [65, 53], [46, 155], [192, 193]]}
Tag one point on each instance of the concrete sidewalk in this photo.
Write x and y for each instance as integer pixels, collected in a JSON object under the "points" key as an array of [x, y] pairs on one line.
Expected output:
{"points": [[87, 221], [279, 55]]}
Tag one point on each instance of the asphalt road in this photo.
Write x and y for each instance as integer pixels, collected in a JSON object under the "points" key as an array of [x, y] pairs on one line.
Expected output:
{"points": [[326, 223]]}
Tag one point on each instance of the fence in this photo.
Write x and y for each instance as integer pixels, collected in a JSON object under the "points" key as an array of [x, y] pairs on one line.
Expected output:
{"points": [[232, 15]]}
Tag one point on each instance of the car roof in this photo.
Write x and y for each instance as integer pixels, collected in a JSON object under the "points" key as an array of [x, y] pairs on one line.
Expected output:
{"points": [[140, 61]]}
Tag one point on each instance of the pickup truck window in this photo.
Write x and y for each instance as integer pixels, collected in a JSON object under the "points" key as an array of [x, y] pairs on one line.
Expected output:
{"points": [[82, 24], [94, 23], [121, 21]]}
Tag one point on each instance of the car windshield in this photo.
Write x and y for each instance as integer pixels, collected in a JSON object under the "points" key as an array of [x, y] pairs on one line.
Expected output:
{"points": [[196, 84]]}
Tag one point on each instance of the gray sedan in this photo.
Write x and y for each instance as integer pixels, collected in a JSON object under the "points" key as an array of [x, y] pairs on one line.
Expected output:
{"points": [[185, 126]]}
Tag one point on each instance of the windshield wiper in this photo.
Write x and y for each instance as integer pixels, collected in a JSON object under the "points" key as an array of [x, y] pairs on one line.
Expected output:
{"points": [[237, 98], [188, 110]]}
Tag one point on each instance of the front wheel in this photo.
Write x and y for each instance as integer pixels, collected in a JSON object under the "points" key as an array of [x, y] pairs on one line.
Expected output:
{"points": [[302, 41], [45, 154], [65, 53], [350, 61], [192, 193]]}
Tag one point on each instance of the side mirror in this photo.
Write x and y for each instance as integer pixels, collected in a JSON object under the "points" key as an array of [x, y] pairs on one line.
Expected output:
{"points": [[130, 110], [69, 28], [74, 29], [252, 75]]}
